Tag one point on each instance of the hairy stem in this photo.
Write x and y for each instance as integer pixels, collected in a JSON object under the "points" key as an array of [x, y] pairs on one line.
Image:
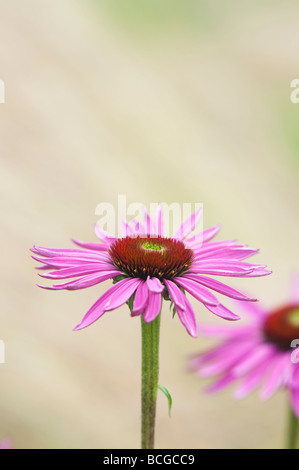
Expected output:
{"points": [[149, 380]]}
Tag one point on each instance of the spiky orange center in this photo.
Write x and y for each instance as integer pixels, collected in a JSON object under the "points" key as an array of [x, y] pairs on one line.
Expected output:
{"points": [[282, 326], [159, 257]]}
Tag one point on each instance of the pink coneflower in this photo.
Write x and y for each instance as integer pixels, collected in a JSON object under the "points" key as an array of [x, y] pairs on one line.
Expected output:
{"points": [[263, 353], [146, 266]]}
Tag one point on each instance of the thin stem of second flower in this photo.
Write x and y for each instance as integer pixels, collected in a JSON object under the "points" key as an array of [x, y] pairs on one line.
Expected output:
{"points": [[293, 429]]}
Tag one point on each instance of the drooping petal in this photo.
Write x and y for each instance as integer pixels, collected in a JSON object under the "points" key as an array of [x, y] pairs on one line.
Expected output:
{"points": [[77, 271], [231, 252], [221, 383], [220, 263], [69, 252], [223, 269], [126, 229], [200, 293], [140, 299], [294, 373], [85, 281], [67, 262], [175, 294], [275, 374], [153, 306], [226, 357], [154, 285], [223, 312], [218, 287], [258, 272], [251, 381], [98, 308], [121, 295], [260, 354], [226, 331], [187, 318]]}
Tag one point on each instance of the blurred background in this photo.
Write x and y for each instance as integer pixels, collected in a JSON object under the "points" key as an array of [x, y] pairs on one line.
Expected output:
{"points": [[160, 101]]}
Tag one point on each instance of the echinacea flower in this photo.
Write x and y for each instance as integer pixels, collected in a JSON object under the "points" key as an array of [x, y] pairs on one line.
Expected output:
{"points": [[146, 266], [263, 353]]}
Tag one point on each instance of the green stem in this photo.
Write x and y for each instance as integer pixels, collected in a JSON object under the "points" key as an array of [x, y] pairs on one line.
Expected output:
{"points": [[293, 428], [149, 380]]}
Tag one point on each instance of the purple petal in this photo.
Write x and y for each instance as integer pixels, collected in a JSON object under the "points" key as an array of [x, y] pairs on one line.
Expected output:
{"points": [[66, 262], [69, 252], [218, 287], [121, 295], [220, 263], [255, 310], [199, 292], [210, 247], [232, 252], [159, 221], [187, 318], [227, 331], [127, 229], [98, 308], [220, 270], [227, 356], [251, 381], [77, 271], [154, 285], [150, 228], [275, 374], [153, 307], [210, 233], [140, 299], [175, 294], [188, 225], [260, 354], [85, 281], [138, 228], [220, 384], [197, 240], [223, 312], [257, 272]]}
